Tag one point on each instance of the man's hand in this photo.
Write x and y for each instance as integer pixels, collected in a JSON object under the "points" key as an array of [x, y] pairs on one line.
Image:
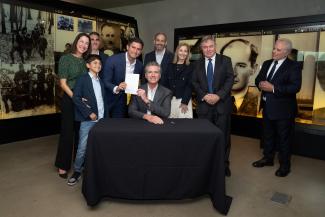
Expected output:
{"points": [[121, 86], [183, 108], [266, 86], [211, 98], [93, 116], [153, 119], [142, 93]]}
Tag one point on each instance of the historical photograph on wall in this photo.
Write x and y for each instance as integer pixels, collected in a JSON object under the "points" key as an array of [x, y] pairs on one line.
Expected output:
{"points": [[85, 25], [26, 40], [115, 35], [319, 96], [65, 23], [244, 49]]}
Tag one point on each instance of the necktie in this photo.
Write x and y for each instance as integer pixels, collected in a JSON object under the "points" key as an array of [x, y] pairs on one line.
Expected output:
{"points": [[269, 77], [210, 76]]}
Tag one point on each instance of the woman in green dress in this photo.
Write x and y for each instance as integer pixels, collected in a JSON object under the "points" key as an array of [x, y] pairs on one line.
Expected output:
{"points": [[71, 66]]}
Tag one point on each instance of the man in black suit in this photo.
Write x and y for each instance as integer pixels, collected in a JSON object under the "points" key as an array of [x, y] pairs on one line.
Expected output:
{"points": [[153, 101], [279, 80], [213, 90], [95, 42], [160, 54]]}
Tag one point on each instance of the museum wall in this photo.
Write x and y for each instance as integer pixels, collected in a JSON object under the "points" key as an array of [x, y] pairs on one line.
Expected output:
{"points": [[169, 14]]}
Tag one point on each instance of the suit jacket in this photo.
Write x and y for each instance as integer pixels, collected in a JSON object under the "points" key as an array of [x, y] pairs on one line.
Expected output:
{"points": [[179, 80], [113, 74], [281, 104], [167, 58], [160, 105], [223, 78], [103, 57], [84, 89]]}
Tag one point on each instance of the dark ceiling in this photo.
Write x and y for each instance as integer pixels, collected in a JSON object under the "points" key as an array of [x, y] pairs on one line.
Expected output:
{"points": [[105, 4]]}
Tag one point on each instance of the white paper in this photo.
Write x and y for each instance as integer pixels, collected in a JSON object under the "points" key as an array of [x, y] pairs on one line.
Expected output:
{"points": [[132, 83]]}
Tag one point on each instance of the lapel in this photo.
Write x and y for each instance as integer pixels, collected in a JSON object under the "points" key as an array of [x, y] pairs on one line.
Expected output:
{"points": [[280, 70], [164, 59], [92, 93], [152, 56], [123, 67], [217, 71], [267, 67], [157, 94], [204, 73], [136, 67]]}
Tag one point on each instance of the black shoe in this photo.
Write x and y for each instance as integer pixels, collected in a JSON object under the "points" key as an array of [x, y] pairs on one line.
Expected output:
{"points": [[63, 175], [282, 172], [263, 162], [227, 172], [74, 178]]}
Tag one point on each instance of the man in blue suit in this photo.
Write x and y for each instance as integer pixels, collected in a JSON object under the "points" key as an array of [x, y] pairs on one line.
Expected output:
{"points": [[113, 76], [279, 80], [213, 92], [160, 55]]}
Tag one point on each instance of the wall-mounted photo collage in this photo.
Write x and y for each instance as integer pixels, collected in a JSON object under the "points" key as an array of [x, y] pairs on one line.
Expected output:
{"points": [[32, 41]]}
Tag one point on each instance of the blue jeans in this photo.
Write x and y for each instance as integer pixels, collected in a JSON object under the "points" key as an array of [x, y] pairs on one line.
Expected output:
{"points": [[85, 127]]}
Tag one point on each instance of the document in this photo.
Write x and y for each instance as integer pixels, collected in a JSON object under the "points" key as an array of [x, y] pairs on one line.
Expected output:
{"points": [[132, 83]]}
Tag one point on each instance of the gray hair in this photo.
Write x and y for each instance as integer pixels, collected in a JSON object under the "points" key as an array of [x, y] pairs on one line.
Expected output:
{"points": [[287, 43], [153, 63], [207, 38]]}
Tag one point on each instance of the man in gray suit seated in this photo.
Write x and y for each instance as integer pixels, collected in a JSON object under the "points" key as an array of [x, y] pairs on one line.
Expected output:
{"points": [[152, 101]]}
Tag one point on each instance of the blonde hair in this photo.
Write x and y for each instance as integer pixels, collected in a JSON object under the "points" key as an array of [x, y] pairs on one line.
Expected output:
{"points": [[187, 60]]}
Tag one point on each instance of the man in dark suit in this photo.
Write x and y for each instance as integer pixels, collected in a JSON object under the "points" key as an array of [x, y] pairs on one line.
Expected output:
{"points": [[213, 78], [113, 76], [95, 44], [152, 101], [279, 80], [160, 54]]}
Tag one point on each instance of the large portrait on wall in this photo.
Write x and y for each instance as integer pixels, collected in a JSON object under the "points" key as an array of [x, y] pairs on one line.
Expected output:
{"points": [[110, 34], [26, 61], [115, 35], [244, 52]]}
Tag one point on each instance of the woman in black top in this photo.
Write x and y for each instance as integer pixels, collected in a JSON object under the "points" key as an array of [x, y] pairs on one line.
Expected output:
{"points": [[178, 80]]}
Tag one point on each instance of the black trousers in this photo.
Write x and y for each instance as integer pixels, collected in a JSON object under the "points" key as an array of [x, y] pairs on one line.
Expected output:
{"points": [[277, 134], [222, 121], [69, 135]]}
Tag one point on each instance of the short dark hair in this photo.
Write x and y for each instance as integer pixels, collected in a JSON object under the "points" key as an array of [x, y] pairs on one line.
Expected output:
{"points": [[160, 33], [92, 57], [74, 44], [254, 52], [94, 33], [136, 40]]}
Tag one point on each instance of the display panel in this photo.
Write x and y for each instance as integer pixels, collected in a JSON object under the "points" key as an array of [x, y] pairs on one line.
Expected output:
{"points": [[33, 36], [251, 43]]}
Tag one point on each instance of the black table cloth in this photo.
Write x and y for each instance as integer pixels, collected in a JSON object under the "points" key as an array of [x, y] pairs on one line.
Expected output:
{"points": [[134, 159]]}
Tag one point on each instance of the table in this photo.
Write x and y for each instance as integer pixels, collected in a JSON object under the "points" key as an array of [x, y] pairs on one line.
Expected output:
{"points": [[134, 159]]}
